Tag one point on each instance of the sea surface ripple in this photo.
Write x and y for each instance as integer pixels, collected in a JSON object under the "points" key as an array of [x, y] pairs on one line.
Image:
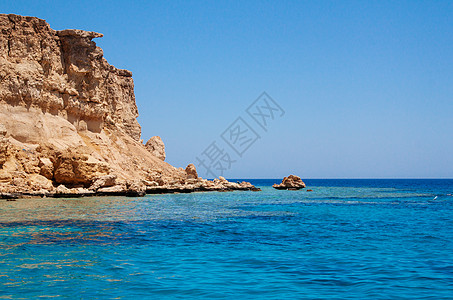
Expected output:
{"points": [[348, 239]]}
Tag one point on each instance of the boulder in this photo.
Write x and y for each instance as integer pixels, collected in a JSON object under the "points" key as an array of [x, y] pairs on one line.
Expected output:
{"points": [[136, 189], [291, 182], [156, 146], [191, 172], [103, 181], [79, 169], [38, 182], [222, 179], [46, 167]]}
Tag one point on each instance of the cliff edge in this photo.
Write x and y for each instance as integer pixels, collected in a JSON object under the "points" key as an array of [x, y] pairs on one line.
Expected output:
{"points": [[68, 119]]}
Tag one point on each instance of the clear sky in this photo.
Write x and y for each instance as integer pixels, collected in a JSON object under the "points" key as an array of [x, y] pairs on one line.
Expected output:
{"points": [[366, 86]]}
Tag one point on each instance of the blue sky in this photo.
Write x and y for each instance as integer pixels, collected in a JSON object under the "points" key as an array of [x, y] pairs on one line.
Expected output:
{"points": [[367, 86]]}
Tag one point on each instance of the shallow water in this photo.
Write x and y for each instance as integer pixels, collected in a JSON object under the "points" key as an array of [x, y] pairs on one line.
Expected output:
{"points": [[354, 239]]}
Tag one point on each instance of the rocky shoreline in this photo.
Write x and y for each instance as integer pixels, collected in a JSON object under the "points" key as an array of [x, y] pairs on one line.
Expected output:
{"points": [[68, 121], [109, 185], [201, 186]]}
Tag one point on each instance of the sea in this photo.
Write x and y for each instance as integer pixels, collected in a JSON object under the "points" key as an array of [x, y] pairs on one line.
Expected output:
{"points": [[346, 239]]}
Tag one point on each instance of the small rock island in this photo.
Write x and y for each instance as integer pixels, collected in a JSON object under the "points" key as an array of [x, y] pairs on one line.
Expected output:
{"points": [[292, 182]]}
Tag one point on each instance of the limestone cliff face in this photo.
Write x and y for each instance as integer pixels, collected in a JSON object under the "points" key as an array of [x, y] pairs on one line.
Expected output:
{"points": [[64, 73], [66, 115], [68, 120]]}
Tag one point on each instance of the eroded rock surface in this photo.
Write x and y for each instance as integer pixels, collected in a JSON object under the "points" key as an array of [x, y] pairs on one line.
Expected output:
{"points": [[68, 120], [156, 146], [191, 172], [291, 182]]}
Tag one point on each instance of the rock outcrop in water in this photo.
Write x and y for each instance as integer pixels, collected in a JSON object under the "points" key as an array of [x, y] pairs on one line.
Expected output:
{"points": [[291, 182], [68, 120]]}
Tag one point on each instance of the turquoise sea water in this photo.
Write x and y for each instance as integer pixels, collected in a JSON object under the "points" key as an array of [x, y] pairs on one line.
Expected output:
{"points": [[348, 239]]}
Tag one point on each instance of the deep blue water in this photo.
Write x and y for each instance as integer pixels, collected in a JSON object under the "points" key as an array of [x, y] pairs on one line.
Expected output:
{"points": [[348, 239]]}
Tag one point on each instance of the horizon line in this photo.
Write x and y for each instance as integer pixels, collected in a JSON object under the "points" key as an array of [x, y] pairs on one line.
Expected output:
{"points": [[344, 178]]}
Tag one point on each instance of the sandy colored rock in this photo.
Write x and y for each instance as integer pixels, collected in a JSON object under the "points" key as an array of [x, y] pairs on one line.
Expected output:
{"points": [[191, 172], [291, 182], [4, 144], [136, 188], [63, 191], [3, 131], [46, 167], [156, 146], [116, 189], [200, 185], [103, 181], [222, 179], [38, 182], [68, 117], [5, 177], [148, 183], [79, 169], [66, 113]]}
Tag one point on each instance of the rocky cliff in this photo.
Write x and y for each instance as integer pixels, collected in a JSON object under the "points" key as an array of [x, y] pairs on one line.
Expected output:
{"points": [[68, 119]]}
